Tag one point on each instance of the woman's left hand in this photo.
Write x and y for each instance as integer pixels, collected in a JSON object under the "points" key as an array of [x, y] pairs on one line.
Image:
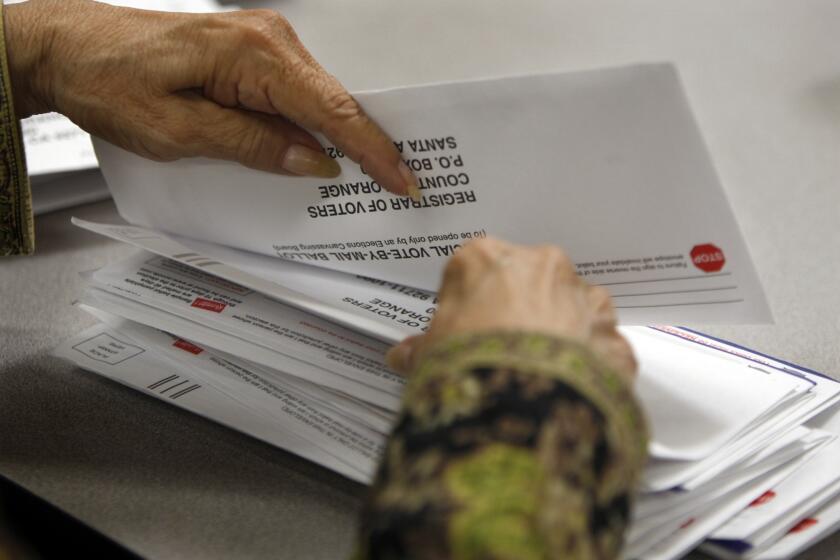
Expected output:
{"points": [[492, 285]]}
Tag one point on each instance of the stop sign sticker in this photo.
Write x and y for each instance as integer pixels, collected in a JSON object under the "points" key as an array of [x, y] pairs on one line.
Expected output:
{"points": [[708, 257]]}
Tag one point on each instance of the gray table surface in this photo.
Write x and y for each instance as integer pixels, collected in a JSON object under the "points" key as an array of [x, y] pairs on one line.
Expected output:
{"points": [[764, 80]]}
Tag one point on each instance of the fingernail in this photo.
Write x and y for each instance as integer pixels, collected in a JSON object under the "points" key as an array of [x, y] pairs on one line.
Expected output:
{"points": [[411, 188], [398, 357], [414, 193], [302, 160]]}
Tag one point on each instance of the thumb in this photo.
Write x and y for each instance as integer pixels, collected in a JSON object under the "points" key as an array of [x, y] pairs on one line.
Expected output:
{"points": [[256, 140], [403, 357]]}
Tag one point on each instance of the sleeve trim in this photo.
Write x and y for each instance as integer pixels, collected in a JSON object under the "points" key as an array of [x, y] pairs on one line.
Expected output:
{"points": [[17, 231]]}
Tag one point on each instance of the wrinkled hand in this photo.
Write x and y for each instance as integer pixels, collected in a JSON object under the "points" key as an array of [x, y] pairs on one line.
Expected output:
{"points": [[493, 285], [238, 86]]}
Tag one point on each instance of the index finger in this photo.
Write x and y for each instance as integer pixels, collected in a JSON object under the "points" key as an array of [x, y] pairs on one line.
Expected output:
{"points": [[316, 100]]}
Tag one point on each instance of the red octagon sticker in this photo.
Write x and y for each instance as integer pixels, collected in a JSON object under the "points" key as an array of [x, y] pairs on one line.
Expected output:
{"points": [[708, 257]]}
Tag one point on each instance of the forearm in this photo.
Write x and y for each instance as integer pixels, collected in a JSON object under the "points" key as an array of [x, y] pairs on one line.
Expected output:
{"points": [[509, 446]]}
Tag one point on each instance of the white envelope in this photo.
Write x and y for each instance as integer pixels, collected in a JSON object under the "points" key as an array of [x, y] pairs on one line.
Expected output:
{"points": [[212, 338], [817, 482], [101, 350], [695, 397], [806, 533], [793, 444], [235, 371], [608, 164], [200, 297], [383, 310], [687, 531]]}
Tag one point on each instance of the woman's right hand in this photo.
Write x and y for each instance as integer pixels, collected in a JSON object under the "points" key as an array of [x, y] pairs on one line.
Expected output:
{"points": [[238, 86], [492, 285]]}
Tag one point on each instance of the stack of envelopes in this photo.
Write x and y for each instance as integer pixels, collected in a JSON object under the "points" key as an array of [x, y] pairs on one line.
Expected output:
{"points": [[608, 163], [744, 446]]}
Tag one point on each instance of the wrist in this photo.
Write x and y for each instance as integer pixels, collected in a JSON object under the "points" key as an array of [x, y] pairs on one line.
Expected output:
{"points": [[537, 353], [30, 47]]}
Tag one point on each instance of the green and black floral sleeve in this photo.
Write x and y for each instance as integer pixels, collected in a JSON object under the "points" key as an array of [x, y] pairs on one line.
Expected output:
{"points": [[516, 446]]}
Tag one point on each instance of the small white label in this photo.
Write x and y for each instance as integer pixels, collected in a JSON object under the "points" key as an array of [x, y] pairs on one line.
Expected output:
{"points": [[105, 348]]}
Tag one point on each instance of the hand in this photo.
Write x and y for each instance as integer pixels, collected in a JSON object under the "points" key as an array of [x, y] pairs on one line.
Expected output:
{"points": [[238, 86], [493, 285]]}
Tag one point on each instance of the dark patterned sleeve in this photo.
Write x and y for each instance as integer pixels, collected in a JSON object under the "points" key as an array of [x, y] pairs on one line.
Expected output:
{"points": [[509, 446], [17, 236]]}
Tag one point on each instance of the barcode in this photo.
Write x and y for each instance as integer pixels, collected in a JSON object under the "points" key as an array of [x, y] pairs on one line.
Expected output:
{"points": [[173, 386]]}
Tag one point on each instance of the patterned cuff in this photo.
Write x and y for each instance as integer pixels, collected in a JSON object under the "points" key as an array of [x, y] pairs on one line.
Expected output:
{"points": [[17, 233], [448, 366]]}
